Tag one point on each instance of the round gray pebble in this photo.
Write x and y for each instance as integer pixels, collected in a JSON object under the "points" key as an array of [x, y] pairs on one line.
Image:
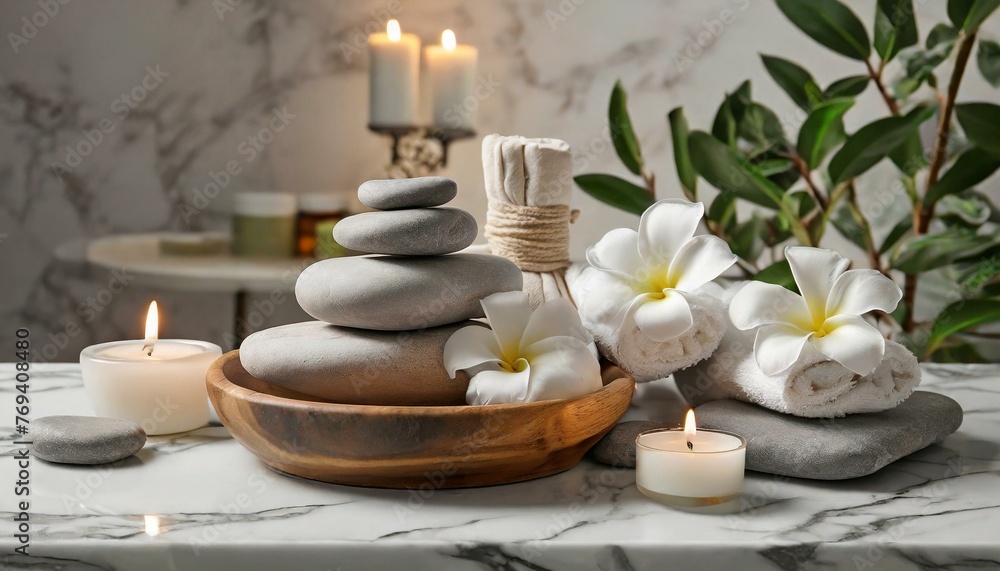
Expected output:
{"points": [[413, 232], [85, 439], [393, 194], [617, 448]]}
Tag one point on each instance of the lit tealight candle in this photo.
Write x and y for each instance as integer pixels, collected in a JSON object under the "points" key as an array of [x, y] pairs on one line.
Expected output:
{"points": [[690, 467], [157, 383], [452, 71], [394, 77]]}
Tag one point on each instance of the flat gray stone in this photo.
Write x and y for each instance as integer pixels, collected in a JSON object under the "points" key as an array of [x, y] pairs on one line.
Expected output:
{"points": [[617, 447], [85, 439], [395, 293], [833, 449], [392, 194], [355, 366], [412, 232]]}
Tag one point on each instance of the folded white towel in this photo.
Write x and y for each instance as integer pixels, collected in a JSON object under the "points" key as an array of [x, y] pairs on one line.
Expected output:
{"points": [[814, 387], [634, 351]]}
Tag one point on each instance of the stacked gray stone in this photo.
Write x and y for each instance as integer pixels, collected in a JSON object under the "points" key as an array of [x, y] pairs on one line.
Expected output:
{"points": [[386, 315]]}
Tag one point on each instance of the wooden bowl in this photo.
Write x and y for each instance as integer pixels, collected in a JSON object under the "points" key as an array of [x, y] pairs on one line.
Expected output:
{"points": [[412, 446]]}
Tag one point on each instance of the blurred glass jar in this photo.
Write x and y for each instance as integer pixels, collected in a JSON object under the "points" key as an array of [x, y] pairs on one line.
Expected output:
{"points": [[318, 213], [264, 224]]}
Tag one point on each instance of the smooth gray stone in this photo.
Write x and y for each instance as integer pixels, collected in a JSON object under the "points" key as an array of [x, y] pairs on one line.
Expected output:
{"points": [[833, 449], [394, 293], [617, 447], [413, 232], [85, 439], [355, 366], [392, 194]]}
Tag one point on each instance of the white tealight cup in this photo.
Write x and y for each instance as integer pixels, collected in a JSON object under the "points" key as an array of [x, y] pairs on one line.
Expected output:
{"points": [[709, 472], [163, 392]]}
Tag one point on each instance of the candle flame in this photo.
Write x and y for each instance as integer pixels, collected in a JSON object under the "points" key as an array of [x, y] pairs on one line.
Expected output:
{"points": [[393, 31], [448, 41], [152, 329], [152, 525], [690, 429]]}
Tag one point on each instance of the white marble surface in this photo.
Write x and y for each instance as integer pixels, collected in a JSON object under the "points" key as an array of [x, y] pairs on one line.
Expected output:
{"points": [[220, 508]]}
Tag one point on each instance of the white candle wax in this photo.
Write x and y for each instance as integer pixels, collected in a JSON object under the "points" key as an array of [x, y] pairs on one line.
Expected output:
{"points": [[394, 78], [711, 472], [452, 72], [163, 393]]}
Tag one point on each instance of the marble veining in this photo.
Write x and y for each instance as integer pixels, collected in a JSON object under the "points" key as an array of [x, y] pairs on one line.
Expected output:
{"points": [[547, 65], [219, 507]]}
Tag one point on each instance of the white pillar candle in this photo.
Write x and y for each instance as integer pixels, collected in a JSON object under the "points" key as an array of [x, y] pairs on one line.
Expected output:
{"points": [[452, 71], [690, 467], [394, 77], [157, 383]]}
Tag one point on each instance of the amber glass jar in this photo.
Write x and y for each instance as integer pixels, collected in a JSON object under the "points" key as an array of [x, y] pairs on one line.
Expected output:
{"points": [[318, 209]]}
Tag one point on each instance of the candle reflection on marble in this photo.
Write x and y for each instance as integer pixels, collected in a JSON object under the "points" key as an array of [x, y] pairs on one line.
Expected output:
{"points": [[690, 467], [157, 383]]}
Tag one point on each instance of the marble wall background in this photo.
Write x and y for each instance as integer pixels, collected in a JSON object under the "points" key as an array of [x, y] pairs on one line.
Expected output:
{"points": [[215, 71]]}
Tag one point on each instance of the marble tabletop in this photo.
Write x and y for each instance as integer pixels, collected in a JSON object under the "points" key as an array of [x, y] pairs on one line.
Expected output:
{"points": [[200, 501]]}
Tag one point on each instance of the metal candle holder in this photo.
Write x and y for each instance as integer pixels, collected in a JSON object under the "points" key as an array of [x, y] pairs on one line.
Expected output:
{"points": [[442, 135]]}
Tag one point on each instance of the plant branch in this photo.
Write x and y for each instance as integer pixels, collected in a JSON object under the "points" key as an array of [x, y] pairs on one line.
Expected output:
{"points": [[817, 194], [876, 76], [940, 151], [859, 217], [923, 211], [650, 180]]}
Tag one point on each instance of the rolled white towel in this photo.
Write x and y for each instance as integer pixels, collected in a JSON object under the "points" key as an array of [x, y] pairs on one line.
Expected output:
{"points": [[815, 387], [635, 352]]}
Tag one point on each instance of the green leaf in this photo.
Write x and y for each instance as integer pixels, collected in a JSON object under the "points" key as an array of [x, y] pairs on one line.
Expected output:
{"points": [[898, 231], [778, 273], [988, 59], [967, 209], [873, 142], [969, 169], [937, 250], [725, 169], [845, 221], [961, 315], [940, 34], [615, 192], [822, 130], [730, 113], [792, 78], [772, 167], [895, 27], [761, 127], [723, 210], [830, 23], [958, 353], [850, 86], [969, 14], [920, 65], [909, 156], [981, 123], [622, 135], [746, 239], [682, 157]]}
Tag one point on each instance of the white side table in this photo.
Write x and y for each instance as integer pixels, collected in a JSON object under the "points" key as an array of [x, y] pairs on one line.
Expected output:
{"points": [[139, 254]]}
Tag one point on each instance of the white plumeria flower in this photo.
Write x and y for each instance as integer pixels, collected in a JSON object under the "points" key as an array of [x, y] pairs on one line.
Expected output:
{"points": [[827, 316], [527, 356], [646, 275]]}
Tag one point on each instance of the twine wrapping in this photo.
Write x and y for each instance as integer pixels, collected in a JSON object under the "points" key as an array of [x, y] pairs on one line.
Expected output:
{"points": [[536, 238]]}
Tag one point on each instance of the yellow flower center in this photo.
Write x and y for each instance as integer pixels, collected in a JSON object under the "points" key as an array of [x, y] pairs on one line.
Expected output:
{"points": [[518, 366]]}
